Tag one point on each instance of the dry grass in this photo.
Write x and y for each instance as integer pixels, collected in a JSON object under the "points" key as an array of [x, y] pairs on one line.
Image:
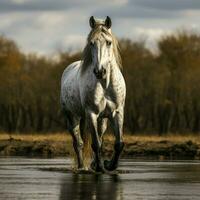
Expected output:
{"points": [[36, 136], [60, 144], [176, 138]]}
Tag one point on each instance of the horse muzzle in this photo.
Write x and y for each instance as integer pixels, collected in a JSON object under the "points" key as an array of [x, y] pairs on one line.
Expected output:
{"points": [[100, 74]]}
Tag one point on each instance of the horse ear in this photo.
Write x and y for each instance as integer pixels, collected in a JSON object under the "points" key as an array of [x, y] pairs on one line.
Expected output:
{"points": [[108, 22], [92, 22]]}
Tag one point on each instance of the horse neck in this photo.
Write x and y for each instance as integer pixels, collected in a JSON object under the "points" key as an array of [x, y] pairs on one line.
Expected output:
{"points": [[114, 71], [111, 74]]}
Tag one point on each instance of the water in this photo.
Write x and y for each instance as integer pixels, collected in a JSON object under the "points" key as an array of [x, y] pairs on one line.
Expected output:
{"points": [[26, 178]]}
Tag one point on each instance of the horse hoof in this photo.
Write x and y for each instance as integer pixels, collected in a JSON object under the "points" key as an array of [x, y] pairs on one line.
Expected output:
{"points": [[81, 169], [96, 168], [108, 165], [93, 165]]}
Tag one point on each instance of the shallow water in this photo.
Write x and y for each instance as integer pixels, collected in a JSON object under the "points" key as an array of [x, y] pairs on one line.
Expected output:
{"points": [[31, 178]]}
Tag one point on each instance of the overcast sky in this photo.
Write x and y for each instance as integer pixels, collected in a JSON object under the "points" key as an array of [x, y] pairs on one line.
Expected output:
{"points": [[45, 26]]}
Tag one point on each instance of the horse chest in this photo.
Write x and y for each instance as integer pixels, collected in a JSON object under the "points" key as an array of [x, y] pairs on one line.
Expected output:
{"points": [[107, 101], [100, 98]]}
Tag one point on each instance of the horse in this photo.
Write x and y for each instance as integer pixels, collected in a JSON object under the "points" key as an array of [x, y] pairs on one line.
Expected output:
{"points": [[93, 91]]}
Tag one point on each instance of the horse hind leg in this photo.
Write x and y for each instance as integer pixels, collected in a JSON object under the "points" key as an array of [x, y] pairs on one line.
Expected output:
{"points": [[87, 143], [78, 146], [74, 129]]}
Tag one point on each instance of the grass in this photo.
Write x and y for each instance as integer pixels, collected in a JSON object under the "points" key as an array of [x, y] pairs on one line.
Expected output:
{"points": [[36, 136], [59, 144], [175, 138]]}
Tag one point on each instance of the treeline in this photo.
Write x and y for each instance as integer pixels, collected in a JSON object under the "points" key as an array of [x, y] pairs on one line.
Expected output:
{"points": [[163, 89]]}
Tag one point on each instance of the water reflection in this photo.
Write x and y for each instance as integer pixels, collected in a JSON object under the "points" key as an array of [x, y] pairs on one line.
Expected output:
{"points": [[84, 186], [48, 179]]}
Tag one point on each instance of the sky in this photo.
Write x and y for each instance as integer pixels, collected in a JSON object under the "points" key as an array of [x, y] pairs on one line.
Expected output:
{"points": [[49, 26]]}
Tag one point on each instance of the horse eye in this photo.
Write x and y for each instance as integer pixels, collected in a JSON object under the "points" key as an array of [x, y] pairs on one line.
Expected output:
{"points": [[91, 43], [108, 43]]}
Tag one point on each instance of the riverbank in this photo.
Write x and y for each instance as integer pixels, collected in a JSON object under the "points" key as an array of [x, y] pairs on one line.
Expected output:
{"points": [[59, 144]]}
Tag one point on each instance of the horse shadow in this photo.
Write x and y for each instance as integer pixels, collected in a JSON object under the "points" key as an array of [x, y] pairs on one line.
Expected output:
{"points": [[87, 186]]}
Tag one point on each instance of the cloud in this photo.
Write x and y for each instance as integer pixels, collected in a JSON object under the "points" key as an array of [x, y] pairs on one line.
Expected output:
{"points": [[134, 5], [37, 5], [150, 32], [45, 32], [135, 12], [168, 5], [73, 42], [47, 25], [52, 5], [148, 9], [150, 35]]}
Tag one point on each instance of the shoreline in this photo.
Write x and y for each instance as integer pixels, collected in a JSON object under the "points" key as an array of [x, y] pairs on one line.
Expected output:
{"points": [[136, 146]]}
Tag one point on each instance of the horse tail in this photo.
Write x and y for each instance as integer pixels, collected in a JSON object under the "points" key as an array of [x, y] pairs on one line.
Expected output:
{"points": [[86, 137]]}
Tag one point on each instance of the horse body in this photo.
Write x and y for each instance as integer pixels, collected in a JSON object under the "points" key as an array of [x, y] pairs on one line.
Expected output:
{"points": [[70, 93], [94, 97], [80, 94]]}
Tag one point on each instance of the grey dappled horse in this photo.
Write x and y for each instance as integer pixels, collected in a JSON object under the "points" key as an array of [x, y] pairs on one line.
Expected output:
{"points": [[92, 91]]}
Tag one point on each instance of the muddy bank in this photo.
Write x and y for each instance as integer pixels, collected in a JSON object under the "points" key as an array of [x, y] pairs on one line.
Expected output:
{"points": [[19, 147], [159, 149], [164, 149]]}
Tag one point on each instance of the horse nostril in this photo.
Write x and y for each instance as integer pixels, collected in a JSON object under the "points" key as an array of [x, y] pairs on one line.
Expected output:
{"points": [[95, 71], [99, 73], [103, 71]]}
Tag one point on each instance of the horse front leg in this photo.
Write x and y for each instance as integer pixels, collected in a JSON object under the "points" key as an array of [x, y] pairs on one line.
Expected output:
{"points": [[102, 126], [117, 124], [96, 142]]}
